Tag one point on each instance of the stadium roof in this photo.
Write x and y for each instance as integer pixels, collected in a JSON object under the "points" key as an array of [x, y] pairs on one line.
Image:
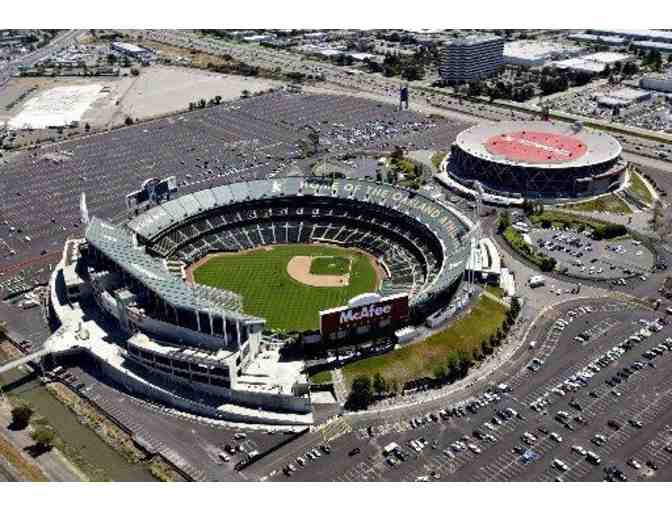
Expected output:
{"points": [[118, 245], [592, 147]]}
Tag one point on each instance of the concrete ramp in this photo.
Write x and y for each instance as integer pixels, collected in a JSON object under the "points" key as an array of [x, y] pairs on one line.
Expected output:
{"points": [[22, 361]]}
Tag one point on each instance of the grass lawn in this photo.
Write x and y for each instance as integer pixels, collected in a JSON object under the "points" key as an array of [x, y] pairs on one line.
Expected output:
{"points": [[610, 203], [438, 157], [637, 187], [495, 291], [421, 359], [330, 265], [261, 278], [323, 377]]}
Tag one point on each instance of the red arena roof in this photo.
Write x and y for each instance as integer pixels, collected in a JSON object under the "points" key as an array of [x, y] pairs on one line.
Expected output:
{"points": [[536, 147]]}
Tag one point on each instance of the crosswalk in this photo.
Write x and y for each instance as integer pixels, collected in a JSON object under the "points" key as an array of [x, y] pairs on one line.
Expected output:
{"points": [[335, 429]]}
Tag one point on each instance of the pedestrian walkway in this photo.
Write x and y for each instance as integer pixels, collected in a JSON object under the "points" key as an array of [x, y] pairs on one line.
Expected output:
{"points": [[335, 428], [339, 385]]}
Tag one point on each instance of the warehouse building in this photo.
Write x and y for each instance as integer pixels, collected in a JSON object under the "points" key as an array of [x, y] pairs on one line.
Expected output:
{"points": [[537, 53], [609, 40], [657, 82], [470, 58], [638, 35], [653, 45], [621, 97], [594, 63]]}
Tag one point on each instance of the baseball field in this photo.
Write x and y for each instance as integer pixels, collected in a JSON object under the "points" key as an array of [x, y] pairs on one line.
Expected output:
{"points": [[291, 303]]}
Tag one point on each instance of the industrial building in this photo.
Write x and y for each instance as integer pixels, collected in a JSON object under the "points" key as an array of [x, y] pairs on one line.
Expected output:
{"points": [[131, 50], [657, 82], [624, 96], [470, 58], [638, 35], [653, 45], [537, 53], [609, 40], [594, 63]]}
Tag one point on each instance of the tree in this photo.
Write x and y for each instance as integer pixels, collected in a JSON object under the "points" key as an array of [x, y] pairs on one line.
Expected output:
{"points": [[43, 437], [21, 416], [464, 363], [547, 264], [439, 372], [504, 221], [128, 121], [360, 395], [87, 127], [135, 71], [379, 384], [453, 366]]}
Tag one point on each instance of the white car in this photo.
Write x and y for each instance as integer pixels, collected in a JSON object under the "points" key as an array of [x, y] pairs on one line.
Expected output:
{"points": [[633, 463], [474, 448], [558, 464], [556, 437], [580, 450]]}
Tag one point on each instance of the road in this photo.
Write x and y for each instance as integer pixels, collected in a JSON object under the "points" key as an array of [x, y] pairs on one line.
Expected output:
{"points": [[644, 396], [58, 42]]}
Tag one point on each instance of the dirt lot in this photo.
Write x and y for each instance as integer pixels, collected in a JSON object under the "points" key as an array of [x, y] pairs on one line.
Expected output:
{"points": [[161, 89], [158, 90]]}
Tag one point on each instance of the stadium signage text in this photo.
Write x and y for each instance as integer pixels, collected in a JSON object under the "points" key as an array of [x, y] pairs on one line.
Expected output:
{"points": [[387, 311], [365, 313]]}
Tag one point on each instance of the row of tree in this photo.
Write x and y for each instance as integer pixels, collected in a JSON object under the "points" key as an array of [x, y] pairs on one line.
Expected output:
{"points": [[365, 389], [202, 103]]}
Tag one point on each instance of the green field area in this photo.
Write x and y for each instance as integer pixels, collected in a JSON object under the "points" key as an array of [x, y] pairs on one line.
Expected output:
{"points": [[323, 377], [330, 265], [638, 188], [610, 203], [423, 358], [261, 278]]}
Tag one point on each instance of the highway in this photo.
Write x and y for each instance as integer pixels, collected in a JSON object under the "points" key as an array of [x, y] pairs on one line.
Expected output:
{"points": [[61, 40]]}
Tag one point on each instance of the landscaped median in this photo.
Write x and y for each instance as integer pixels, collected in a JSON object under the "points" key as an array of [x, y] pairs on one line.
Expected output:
{"points": [[608, 203], [526, 250], [465, 341], [639, 188], [601, 229]]}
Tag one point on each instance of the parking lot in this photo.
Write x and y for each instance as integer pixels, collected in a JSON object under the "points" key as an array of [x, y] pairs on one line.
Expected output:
{"points": [[585, 257], [240, 140], [605, 385]]}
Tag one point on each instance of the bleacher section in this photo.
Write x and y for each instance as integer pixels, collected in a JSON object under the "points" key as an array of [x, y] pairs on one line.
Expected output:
{"points": [[422, 244]]}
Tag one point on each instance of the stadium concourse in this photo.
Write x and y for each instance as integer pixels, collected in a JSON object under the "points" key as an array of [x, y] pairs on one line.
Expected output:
{"points": [[120, 294], [535, 160], [239, 140]]}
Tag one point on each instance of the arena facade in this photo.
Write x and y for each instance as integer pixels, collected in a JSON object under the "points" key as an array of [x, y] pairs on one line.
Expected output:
{"points": [[192, 346], [537, 160]]}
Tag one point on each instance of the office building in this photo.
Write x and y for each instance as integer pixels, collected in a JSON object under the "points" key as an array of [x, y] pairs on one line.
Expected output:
{"points": [[470, 58]]}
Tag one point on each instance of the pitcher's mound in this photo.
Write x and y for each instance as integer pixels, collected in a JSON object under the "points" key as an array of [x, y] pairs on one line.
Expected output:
{"points": [[299, 269]]}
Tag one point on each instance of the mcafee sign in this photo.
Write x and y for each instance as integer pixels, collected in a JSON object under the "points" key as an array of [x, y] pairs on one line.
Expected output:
{"points": [[373, 312]]}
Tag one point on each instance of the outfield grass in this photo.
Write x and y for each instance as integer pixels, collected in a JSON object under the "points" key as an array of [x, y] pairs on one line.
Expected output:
{"points": [[637, 187], [261, 278], [423, 358], [330, 265], [610, 203]]}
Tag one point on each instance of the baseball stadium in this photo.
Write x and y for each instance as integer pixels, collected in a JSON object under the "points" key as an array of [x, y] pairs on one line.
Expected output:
{"points": [[197, 285], [537, 160]]}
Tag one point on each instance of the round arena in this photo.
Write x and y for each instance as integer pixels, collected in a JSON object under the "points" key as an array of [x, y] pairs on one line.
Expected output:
{"points": [[537, 160]]}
